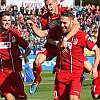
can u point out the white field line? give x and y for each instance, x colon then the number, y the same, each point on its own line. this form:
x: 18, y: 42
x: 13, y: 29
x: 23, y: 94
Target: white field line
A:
x: 45, y: 83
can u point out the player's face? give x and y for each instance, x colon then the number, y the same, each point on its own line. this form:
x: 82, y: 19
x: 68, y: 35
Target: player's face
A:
x: 65, y: 23
x: 51, y: 6
x: 5, y: 23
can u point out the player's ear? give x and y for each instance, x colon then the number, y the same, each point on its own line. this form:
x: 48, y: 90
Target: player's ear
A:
x: 72, y: 23
x: 56, y: 3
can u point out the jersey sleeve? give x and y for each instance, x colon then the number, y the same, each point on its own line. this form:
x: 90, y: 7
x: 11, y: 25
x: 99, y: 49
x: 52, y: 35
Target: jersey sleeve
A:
x: 87, y: 41
x: 21, y: 41
x: 44, y: 21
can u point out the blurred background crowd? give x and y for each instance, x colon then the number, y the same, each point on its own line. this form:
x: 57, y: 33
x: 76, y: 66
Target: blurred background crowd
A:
x: 88, y: 17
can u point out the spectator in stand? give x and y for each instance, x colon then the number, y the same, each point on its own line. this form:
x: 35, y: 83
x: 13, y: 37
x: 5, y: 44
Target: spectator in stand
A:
x: 22, y: 9
x: 28, y: 76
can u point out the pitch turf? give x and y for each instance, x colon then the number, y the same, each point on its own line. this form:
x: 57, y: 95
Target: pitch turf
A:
x: 45, y: 89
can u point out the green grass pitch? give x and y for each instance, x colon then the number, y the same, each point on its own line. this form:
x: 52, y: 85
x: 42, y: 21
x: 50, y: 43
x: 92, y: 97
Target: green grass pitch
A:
x: 45, y: 89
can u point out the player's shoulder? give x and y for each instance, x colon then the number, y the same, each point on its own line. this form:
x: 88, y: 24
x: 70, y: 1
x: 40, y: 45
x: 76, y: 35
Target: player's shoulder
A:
x: 61, y: 9
x: 81, y: 33
x: 45, y: 15
x: 14, y: 32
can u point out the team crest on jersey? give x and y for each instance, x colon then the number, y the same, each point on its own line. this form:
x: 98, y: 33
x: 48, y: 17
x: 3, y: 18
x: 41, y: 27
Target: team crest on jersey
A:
x: 13, y: 39
x: 75, y: 41
x: 5, y: 45
x: 69, y: 45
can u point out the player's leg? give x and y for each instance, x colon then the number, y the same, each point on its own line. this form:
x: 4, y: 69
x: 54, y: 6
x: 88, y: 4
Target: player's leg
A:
x: 74, y: 97
x: 61, y: 91
x: 18, y: 86
x: 76, y: 85
x: 9, y: 96
x: 37, y: 69
x: 37, y: 66
x: 5, y: 86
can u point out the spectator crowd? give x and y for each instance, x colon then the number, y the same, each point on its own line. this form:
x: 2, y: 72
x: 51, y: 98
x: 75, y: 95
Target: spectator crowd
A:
x: 88, y: 17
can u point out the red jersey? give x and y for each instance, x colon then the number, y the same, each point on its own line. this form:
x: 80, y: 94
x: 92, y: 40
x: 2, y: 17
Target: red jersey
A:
x: 74, y: 58
x: 9, y: 51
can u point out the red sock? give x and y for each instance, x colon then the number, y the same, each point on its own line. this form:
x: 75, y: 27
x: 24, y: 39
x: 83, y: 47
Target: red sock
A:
x: 37, y: 71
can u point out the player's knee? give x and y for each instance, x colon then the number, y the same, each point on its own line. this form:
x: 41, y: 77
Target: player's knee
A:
x: 37, y: 62
x: 9, y: 97
x: 73, y: 97
x: 97, y: 96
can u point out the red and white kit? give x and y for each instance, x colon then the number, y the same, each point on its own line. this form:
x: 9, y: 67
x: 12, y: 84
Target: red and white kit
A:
x: 70, y: 66
x: 52, y: 24
x: 11, y: 64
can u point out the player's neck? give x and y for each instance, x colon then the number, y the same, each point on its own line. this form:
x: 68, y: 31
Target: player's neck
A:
x: 3, y: 32
x: 56, y: 11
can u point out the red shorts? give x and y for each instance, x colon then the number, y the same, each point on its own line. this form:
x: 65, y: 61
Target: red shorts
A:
x: 66, y: 84
x: 85, y: 59
x: 50, y: 51
x: 12, y: 83
x: 96, y: 85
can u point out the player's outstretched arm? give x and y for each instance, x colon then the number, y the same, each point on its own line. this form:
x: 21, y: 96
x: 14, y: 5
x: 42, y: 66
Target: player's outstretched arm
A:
x: 37, y: 31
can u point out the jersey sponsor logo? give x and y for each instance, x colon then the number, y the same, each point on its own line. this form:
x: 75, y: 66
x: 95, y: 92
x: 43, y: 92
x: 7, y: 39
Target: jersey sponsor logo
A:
x: 54, y: 23
x: 69, y: 45
x: 75, y: 41
x: 5, y: 45
x: 2, y: 37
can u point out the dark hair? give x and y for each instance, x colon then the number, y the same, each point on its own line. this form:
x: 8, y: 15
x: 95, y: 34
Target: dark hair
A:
x: 67, y: 13
x: 4, y: 13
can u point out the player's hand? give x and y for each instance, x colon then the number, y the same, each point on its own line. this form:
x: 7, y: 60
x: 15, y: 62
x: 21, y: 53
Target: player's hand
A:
x: 22, y: 56
x: 63, y: 44
x: 94, y: 73
x: 30, y: 23
x: 59, y: 45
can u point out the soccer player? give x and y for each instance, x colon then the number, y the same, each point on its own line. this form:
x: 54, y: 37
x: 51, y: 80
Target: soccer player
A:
x: 70, y: 64
x: 96, y: 82
x: 50, y: 22
x: 11, y: 84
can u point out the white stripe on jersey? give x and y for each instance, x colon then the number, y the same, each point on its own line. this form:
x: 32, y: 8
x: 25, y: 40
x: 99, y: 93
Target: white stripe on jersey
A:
x: 5, y: 45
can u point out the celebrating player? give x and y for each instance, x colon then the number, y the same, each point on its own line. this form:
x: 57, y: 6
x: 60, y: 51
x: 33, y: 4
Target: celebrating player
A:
x: 50, y: 22
x: 11, y: 84
x: 70, y: 64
